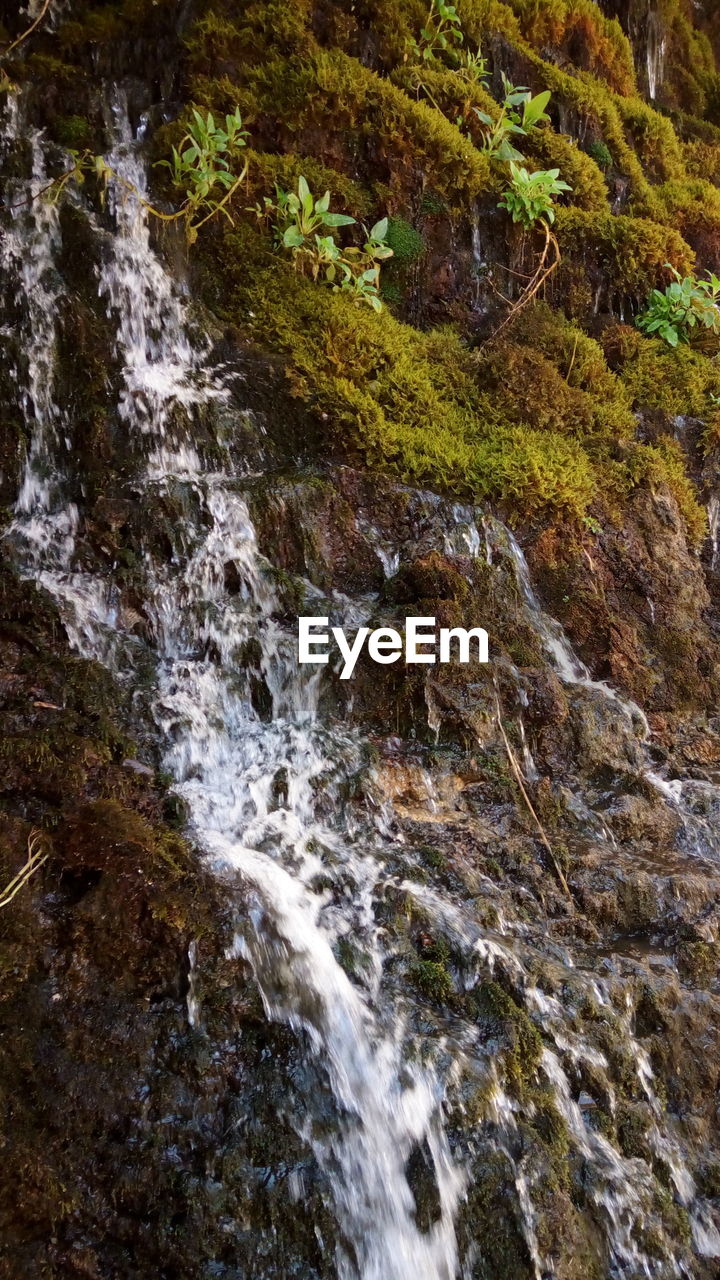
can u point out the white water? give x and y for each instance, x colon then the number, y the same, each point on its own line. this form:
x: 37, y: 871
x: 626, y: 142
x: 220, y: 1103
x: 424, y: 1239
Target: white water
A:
x: 565, y: 661
x: 714, y: 527
x: 655, y: 53
x: 224, y: 756
x: 231, y: 764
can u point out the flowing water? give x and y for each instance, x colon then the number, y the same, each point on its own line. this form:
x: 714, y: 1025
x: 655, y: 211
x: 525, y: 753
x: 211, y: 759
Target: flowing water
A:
x: 655, y: 52
x: 265, y: 780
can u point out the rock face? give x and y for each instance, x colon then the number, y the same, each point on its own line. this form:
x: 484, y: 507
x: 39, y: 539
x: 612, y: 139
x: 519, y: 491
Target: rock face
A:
x: 414, y: 974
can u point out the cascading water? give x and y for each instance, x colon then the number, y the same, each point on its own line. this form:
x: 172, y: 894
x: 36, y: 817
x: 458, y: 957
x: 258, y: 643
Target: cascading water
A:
x: 265, y: 786
x: 655, y: 52
x: 225, y: 757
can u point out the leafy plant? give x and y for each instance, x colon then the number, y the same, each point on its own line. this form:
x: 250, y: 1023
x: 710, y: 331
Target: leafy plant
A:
x: 685, y: 305
x: 519, y: 113
x: 360, y: 267
x: 473, y: 67
x: 300, y: 217
x: 200, y: 165
x: 529, y: 199
x: 299, y: 223
x: 441, y: 33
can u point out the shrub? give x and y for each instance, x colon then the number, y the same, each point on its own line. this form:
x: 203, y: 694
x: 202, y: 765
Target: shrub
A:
x: 686, y: 304
x: 200, y: 165
x: 299, y: 220
x: 441, y: 33
x: 512, y: 122
x: 529, y: 198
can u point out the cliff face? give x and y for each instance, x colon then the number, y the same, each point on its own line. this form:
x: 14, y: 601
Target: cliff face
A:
x: 415, y: 974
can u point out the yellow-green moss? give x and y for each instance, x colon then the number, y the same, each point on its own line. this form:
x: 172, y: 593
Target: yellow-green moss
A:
x: 550, y: 373
x: 673, y: 382
x: 580, y: 25
x: 663, y: 464
x: 549, y: 150
x: 693, y: 206
x: 652, y: 137
x: 266, y: 170
x: 702, y: 159
x: 409, y: 402
x: 631, y: 252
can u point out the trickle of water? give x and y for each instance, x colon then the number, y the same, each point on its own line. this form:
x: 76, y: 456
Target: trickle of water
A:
x: 714, y: 527
x: 655, y: 52
x: 44, y: 525
x: 566, y: 663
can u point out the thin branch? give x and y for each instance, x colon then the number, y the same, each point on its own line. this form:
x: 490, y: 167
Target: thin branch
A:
x: 517, y: 772
x: 37, y: 856
x: 542, y: 274
x: 29, y: 31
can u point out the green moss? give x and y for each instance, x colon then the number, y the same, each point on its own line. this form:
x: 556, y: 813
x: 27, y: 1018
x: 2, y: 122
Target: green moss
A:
x: 433, y: 979
x: 652, y: 138
x: 346, y: 106
x: 633, y: 1122
x: 657, y: 378
x: 73, y: 132
x: 630, y: 252
x: 501, y: 1017
x: 550, y: 373
x: 405, y: 241
x: 409, y: 402
x: 580, y: 26
x: 698, y: 961
x: 268, y: 170
x: 601, y: 154
x: 549, y: 150
x: 663, y: 464
x: 708, y: 1179
x: 433, y: 857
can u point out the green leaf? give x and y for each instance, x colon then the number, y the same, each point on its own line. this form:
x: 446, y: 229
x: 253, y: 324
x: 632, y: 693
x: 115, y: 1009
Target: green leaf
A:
x: 338, y: 220
x: 293, y: 238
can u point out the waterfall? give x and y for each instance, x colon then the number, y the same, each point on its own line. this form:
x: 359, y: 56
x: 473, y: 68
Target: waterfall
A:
x: 222, y: 754
x: 654, y: 52
x: 273, y: 845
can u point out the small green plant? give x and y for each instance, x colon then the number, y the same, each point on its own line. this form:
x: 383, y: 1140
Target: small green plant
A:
x: 687, y: 304
x: 300, y: 218
x: 441, y: 33
x: 200, y: 165
x: 473, y: 67
x: 299, y: 221
x: 529, y: 198
x: 519, y: 114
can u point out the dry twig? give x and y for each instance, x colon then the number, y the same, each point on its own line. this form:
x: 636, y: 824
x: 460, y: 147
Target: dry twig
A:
x: 517, y: 773
x: 37, y: 856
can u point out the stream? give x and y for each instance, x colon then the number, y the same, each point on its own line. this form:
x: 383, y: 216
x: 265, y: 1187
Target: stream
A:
x: 265, y: 773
